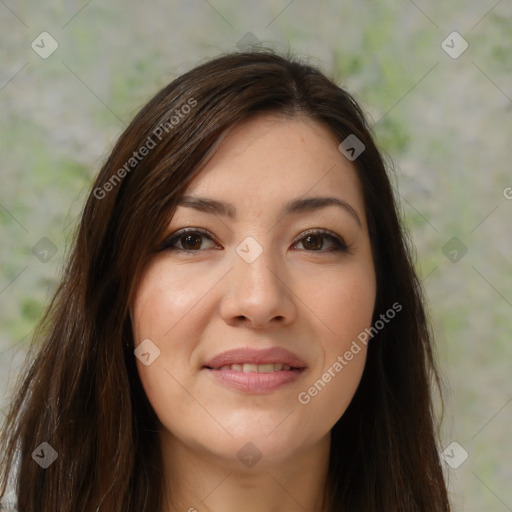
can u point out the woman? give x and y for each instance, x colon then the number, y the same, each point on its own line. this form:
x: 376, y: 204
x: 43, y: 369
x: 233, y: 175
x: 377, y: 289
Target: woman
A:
x: 240, y: 326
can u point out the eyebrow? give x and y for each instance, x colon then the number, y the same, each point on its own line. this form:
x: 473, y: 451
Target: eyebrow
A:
x: 295, y: 206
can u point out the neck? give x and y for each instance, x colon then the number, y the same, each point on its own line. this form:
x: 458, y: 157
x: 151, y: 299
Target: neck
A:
x: 197, y: 481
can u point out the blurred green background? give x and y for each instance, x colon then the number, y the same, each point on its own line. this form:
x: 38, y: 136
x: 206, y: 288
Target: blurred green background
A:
x: 444, y: 122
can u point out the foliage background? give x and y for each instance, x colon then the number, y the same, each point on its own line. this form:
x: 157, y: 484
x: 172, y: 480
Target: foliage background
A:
x: 445, y: 124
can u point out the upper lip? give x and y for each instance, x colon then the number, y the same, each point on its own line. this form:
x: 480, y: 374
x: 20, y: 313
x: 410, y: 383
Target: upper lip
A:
x: 256, y: 356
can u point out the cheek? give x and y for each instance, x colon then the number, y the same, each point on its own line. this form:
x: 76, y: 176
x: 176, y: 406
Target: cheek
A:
x: 162, y: 305
x: 330, y: 393
x: 344, y: 302
x: 165, y: 298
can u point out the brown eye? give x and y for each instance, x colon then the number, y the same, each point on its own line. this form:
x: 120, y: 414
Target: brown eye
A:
x: 314, y: 241
x: 191, y: 242
x: 186, y: 240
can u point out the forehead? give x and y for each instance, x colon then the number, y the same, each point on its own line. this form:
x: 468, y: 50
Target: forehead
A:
x: 270, y: 159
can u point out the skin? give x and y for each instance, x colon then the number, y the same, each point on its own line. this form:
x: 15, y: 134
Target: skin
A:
x: 295, y: 295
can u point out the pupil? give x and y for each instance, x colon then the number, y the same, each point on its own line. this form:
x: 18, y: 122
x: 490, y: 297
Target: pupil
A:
x: 318, y: 245
x: 189, y: 241
x: 187, y: 238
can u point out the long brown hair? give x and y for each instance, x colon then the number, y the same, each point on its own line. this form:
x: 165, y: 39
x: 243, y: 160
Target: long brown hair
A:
x: 82, y: 394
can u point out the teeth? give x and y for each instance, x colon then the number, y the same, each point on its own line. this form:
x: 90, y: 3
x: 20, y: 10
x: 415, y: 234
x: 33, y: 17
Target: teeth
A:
x: 265, y: 368
x: 256, y: 368
x: 250, y: 368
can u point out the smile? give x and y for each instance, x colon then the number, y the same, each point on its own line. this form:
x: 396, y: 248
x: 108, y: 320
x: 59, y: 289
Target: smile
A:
x: 256, y: 368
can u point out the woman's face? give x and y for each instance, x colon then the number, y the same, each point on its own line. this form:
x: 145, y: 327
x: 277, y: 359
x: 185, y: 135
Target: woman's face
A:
x: 249, y: 317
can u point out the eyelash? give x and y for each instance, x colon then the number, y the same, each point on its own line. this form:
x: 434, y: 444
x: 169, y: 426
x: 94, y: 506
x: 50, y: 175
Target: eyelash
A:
x: 338, y: 243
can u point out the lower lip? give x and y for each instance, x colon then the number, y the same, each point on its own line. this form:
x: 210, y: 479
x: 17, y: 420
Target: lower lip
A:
x: 253, y: 382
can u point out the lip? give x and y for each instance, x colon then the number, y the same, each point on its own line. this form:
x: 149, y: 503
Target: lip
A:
x: 256, y: 356
x: 254, y: 382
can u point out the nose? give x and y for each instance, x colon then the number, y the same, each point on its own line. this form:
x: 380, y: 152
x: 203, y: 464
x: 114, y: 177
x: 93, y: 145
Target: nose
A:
x: 257, y: 294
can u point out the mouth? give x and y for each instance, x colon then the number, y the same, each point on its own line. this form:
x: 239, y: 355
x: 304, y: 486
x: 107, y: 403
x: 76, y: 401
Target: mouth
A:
x: 256, y: 368
x: 255, y: 371
x: 256, y: 360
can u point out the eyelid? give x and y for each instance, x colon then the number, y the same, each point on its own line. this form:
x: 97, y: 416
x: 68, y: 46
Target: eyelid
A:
x: 173, y: 237
x: 335, y: 238
x: 338, y: 241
